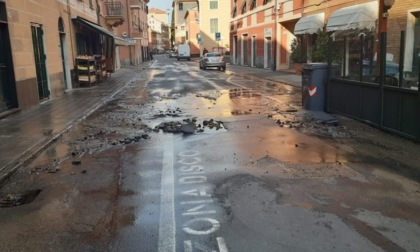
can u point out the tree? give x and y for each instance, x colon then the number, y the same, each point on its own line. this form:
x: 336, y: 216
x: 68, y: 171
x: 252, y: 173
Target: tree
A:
x: 298, y: 55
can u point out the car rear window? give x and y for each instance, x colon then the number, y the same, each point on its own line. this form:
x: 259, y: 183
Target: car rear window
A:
x: 213, y: 55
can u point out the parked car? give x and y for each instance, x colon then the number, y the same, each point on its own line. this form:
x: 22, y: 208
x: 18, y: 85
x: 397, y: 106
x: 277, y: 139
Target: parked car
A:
x: 184, y: 52
x: 173, y: 54
x: 213, y: 60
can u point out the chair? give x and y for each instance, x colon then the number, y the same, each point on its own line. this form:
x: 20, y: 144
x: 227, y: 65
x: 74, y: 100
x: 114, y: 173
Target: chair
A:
x: 389, y: 80
x: 408, y: 74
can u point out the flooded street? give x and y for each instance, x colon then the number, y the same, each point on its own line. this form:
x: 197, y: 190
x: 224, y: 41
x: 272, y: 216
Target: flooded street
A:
x: 190, y: 160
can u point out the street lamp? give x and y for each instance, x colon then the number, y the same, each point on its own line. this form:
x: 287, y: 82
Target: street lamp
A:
x: 387, y: 4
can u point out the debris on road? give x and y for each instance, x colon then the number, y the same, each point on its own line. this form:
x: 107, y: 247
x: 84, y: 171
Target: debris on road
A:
x: 17, y: 199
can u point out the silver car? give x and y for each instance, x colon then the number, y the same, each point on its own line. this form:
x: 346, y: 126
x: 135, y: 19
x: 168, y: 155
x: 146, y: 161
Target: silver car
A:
x: 213, y: 60
x: 173, y: 54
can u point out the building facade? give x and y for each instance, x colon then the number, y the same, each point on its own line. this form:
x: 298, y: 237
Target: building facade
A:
x: 192, y: 31
x: 253, y: 33
x: 214, y: 29
x: 41, y: 41
x: 180, y: 8
x: 404, y: 15
x: 134, y: 32
x: 159, y: 30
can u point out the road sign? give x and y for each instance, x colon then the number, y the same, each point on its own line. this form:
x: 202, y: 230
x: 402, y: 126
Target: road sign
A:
x: 217, y: 34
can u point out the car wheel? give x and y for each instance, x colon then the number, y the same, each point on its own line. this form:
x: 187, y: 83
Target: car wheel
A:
x: 204, y: 67
x: 223, y: 69
x: 178, y: 59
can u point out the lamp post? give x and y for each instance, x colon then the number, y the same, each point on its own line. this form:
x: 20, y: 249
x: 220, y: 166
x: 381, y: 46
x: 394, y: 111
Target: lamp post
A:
x: 384, y: 6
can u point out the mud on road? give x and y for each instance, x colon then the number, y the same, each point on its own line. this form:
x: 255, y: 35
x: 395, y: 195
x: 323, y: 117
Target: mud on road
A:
x: 68, y: 194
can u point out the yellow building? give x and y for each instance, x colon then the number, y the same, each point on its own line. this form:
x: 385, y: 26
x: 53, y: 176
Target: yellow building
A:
x: 214, y: 25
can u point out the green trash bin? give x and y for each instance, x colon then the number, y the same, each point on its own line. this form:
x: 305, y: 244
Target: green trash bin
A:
x: 314, y: 80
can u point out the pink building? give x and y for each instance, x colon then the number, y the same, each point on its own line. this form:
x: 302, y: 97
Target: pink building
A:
x: 192, y: 31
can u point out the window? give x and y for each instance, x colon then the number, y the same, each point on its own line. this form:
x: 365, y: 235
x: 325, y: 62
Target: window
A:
x: 182, y: 28
x: 214, y: 4
x: 243, y: 8
x: 253, y: 4
x: 180, y: 6
x: 214, y: 25
x: 266, y: 1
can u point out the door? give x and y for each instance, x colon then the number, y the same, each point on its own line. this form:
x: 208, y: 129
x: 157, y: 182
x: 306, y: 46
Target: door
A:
x: 62, y: 36
x: 40, y: 57
x: 268, y: 56
x: 245, y: 50
x: 63, y: 59
x: 254, y: 51
x: 235, y: 50
x: 3, y: 72
x: 8, y: 98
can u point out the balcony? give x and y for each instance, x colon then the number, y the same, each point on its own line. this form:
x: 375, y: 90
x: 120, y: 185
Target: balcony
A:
x: 114, y: 13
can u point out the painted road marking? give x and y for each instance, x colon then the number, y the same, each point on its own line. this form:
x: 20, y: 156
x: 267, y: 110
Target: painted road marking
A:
x: 167, y: 205
x: 191, y: 174
x: 215, y: 225
x: 188, y: 246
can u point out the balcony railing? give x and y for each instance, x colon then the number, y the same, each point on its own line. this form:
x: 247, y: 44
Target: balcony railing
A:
x: 114, y: 9
x: 114, y: 13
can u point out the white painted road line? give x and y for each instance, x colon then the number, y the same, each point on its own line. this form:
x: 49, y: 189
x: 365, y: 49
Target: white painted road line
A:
x: 222, y: 244
x: 167, y: 241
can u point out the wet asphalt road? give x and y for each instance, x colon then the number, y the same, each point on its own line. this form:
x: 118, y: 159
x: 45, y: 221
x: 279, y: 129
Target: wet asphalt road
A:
x: 251, y: 186
x: 250, y: 177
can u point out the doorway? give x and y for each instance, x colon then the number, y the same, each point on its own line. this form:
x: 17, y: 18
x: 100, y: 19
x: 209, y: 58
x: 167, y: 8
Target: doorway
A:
x: 8, y: 97
x: 235, y: 50
x: 245, y: 50
x: 62, y: 35
x: 40, y: 64
x: 267, y: 53
x: 253, y: 51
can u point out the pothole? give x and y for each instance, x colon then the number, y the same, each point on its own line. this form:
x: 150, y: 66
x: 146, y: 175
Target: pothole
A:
x: 17, y: 199
x: 190, y: 126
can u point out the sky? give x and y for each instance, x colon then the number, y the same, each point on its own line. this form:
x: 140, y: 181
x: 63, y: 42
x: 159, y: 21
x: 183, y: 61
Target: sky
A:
x: 161, y: 4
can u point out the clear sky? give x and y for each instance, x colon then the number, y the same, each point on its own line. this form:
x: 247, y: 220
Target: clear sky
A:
x: 161, y: 4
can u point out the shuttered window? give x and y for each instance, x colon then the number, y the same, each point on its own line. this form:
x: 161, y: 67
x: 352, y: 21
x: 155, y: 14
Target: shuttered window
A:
x: 214, y: 25
x: 214, y: 5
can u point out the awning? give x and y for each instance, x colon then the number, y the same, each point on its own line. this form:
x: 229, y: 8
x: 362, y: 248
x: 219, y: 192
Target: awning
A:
x: 102, y: 30
x: 124, y: 42
x: 310, y: 24
x: 354, y: 17
x: 92, y: 26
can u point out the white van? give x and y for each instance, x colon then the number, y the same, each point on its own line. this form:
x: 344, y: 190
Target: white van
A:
x: 184, y: 52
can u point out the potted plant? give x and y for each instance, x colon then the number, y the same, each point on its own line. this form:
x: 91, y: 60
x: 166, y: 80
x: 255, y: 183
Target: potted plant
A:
x: 321, y: 48
x: 298, y: 55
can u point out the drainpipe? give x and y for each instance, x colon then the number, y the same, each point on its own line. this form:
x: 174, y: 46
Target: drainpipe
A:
x: 273, y: 66
x: 129, y: 31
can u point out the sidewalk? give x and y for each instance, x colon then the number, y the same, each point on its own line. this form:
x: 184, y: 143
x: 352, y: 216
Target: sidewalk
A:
x: 279, y: 76
x: 25, y: 134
